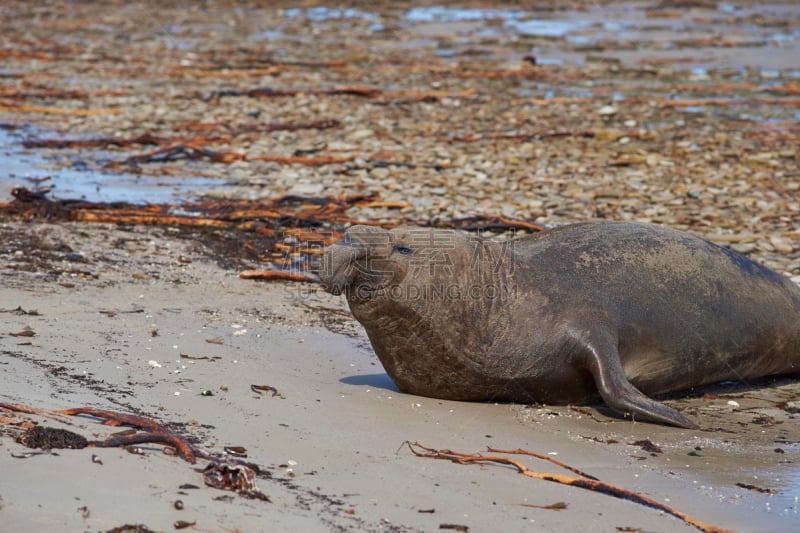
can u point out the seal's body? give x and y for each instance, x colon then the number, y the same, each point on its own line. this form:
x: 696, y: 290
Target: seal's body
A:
x: 616, y: 308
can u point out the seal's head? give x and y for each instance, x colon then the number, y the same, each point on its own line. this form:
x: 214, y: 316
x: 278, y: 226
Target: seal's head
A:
x: 366, y: 261
x: 353, y: 262
x: 371, y: 260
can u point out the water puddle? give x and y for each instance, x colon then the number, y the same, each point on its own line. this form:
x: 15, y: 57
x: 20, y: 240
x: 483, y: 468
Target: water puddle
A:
x: 417, y: 15
x: 546, y: 28
x: 788, y: 487
x: 761, y: 490
x: 24, y: 168
x: 729, y: 36
x: 329, y: 13
x: 645, y: 30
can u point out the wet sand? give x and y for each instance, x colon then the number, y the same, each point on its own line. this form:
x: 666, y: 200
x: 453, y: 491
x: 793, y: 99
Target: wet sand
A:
x: 110, y: 331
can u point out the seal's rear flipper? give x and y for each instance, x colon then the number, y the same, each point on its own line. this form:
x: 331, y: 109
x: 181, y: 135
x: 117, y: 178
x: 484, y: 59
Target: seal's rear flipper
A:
x: 602, y: 360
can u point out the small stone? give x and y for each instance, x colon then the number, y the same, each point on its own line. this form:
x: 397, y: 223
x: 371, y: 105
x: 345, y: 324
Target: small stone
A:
x: 361, y: 134
x: 781, y: 244
x: 609, y: 134
x: 380, y: 173
x: 792, y: 406
x: 744, y: 247
x: 307, y: 189
x: 74, y: 257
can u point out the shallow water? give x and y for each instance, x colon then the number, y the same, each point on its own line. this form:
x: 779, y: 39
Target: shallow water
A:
x: 633, y: 32
x: 25, y: 168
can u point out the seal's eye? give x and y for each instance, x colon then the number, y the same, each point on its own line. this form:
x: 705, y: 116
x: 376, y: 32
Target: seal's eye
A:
x: 405, y: 250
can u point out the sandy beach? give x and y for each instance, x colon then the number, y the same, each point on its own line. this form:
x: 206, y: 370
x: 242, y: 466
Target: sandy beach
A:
x: 150, y: 153
x: 127, y: 329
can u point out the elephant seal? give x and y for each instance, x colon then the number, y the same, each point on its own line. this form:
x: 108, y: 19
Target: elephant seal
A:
x: 620, y: 309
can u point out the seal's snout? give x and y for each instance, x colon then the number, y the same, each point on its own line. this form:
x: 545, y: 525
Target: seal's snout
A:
x: 342, y: 261
x: 337, y: 267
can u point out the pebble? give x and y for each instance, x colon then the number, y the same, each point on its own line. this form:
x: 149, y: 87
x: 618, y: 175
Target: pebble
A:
x: 379, y: 173
x: 307, y: 189
x: 361, y: 134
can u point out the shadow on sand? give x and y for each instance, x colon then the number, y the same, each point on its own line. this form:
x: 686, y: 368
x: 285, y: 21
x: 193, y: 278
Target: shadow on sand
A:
x: 378, y: 381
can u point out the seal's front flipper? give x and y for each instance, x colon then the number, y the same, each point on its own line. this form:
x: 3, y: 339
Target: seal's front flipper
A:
x: 602, y: 360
